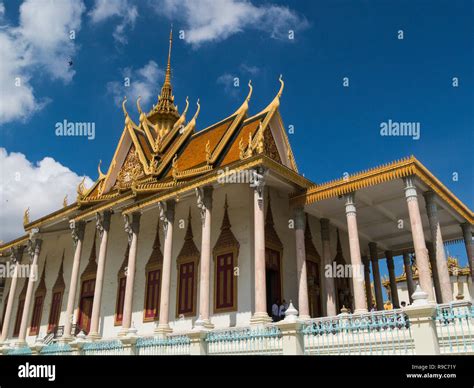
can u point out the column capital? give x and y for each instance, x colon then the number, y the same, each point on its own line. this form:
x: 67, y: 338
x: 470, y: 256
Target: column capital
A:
x: 103, y: 221
x: 258, y: 183
x: 350, y: 204
x: 410, y: 188
x: 204, y: 200
x: 406, y: 258
x: 431, y: 207
x: 299, y: 215
x: 33, y: 246
x: 132, y: 225
x: 17, y: 254
x: 77, y: 230
x: 467, y: 229
x: 166, y: 209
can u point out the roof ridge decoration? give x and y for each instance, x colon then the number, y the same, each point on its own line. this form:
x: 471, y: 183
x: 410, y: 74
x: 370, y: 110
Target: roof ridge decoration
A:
x: 172, y: 152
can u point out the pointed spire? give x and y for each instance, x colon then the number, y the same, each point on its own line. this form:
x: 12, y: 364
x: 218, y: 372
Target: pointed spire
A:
x: 42, y: 283
x: 225, y: 220
x: 156, y: 257
x: 93, y: 255
x: 339, y: 248
x: 226, y: 239
x: 269, y: 217
x: 165, y: 113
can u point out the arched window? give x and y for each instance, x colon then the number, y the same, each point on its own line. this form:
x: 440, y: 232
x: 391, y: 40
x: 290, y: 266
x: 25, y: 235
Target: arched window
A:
x: 38, y: 303
x: 187, y: 263
x: 153, y: 270
x: 57, y: 298
x: 121, y: 285
x: 226, y: 253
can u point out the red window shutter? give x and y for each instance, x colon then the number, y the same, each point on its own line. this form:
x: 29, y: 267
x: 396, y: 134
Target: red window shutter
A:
x: 19, y: 313
x: 53, y: 320
x: 186, y: 289
x: 153, y: 288
x: 225, y: 281
x: 37, y: 312
x: 120, y: 300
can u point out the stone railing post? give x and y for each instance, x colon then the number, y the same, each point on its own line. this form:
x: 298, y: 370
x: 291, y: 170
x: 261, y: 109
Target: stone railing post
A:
x: 198, y: 343
x: 293, y: 340
x: 422, y: 323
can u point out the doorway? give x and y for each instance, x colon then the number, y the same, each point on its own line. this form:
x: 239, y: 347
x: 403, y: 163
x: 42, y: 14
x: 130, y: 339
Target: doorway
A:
x: 85, y: 305
x: 272, y: 277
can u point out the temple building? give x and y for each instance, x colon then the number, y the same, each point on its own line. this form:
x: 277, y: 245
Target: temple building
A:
x: 206, y: 229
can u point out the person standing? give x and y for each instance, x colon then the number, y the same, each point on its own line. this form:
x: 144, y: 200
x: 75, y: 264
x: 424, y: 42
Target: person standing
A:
x: 282, y: 309
x: 276, y: 311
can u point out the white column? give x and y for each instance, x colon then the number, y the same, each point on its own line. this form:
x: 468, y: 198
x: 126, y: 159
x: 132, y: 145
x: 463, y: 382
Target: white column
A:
x: 33, y: 248
x: 17, y: 254
x: 77, y: 232
x: 301, y: 271
x: 103, y: 226
x: 467, y: 235
x: 260, y: 315
x: 329, y: 287
x: 438, y: 248
x: 360, y: 303
x: 167, y: 221
x: 204, y: 202
x: 421, y: 253
x: 132, y: 228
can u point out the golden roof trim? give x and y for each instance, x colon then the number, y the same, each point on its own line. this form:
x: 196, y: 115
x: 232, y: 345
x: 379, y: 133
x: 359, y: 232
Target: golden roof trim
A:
x: 384, y: 173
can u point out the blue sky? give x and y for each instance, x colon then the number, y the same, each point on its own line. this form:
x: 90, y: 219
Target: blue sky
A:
x: 337, y: 128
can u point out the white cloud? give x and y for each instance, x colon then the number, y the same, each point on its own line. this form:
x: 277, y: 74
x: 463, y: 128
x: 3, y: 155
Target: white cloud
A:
x: 40, y: 42
x: 231, y: 84
x: 143, y: 82
x: 122, y: 9
x: 216, y: 20
x: 40, y: 186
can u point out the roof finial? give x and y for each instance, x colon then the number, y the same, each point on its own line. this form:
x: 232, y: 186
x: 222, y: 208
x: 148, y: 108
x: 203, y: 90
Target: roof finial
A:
x: 168, y: 66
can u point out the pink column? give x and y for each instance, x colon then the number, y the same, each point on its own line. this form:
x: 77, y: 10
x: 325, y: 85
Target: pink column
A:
x: 77, y: 232
x: 329, y: 286
x: 167, y: 220
x: 438, y: 248
x: 103, y: 226
x: 303, y: 302
x: 393, y: 280
x: 17, y: 254
x: 421, y: 253
x: 376, y: 275
x: 409, y: 275
x: 204, y: 202
x: 467, y: 235
x: 34, y: 248
x: 260, y: 316
x: 360, y: 302
x: 131, y: 228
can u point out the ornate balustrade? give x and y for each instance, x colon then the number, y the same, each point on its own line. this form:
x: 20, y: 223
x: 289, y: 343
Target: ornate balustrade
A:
x: 382, y: 332
x: 246, y: 340
x: 455, y: 327
x: 171, y: 345
x: 105, y: 347
x: 56, y: 349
